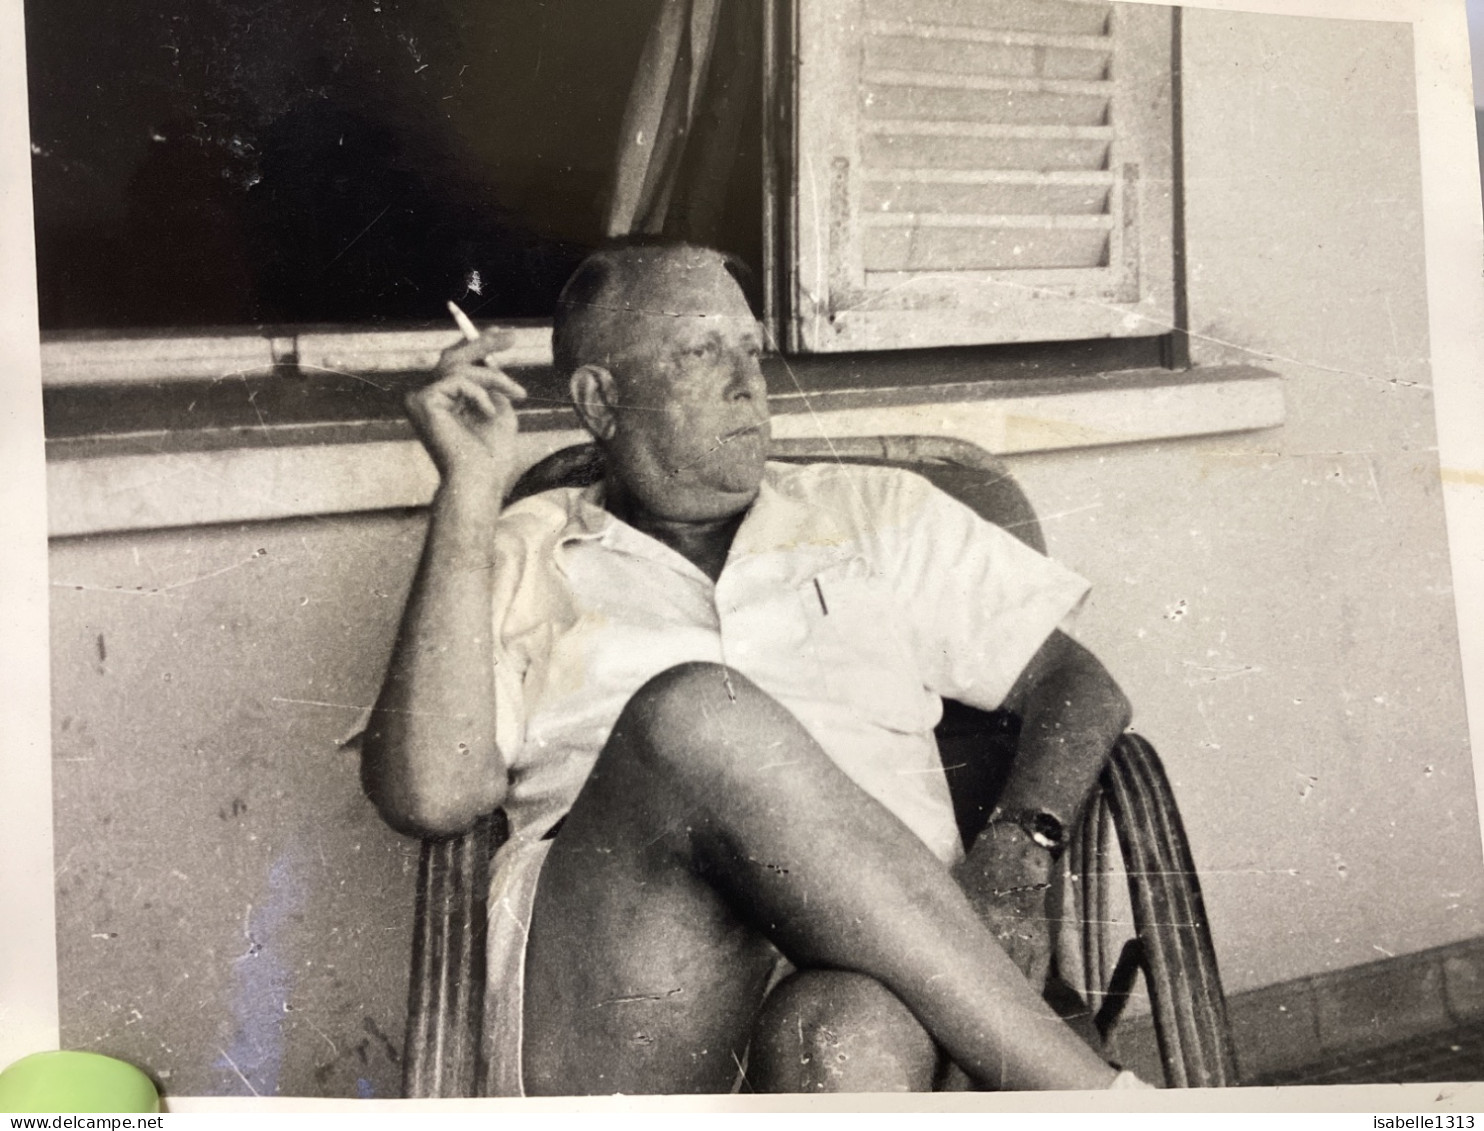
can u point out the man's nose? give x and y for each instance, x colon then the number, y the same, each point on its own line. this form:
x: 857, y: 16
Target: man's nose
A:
x: 747, y: 379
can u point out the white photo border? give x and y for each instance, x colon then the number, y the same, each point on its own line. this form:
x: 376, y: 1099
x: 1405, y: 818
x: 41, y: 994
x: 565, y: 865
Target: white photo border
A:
x: 28, y: 971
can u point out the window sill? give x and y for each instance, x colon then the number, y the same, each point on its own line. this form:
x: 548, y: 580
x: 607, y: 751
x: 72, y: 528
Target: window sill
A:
x: 250, y: 471
x: 113, y: 359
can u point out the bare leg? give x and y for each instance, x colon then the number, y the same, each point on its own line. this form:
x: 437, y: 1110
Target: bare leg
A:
x: 712, y: 819
x: 835, y: 1031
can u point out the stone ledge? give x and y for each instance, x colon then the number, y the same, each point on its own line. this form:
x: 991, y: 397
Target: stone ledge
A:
x: 135, y: 481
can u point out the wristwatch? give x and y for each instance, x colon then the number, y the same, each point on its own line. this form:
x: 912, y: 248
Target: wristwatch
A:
x: 1042, y: 827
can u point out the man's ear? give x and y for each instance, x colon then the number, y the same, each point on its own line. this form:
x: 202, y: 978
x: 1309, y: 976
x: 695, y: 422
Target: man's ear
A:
x: 594, y: 396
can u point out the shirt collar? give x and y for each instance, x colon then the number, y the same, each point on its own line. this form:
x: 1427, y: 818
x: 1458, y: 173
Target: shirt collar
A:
x: 776, y: 521
x: 587, y: 518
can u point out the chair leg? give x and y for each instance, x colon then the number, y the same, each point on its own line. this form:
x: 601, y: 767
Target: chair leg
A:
x: 1120, y: 987
x: 1093, y: 849
x: 445, y: 1000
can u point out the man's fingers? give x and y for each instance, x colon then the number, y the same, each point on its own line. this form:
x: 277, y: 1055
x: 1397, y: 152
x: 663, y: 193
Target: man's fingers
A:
x: 472, y: 361
x: 493, y: 340
x: 465, y: 392
x: 499, y: 381
x: 457, y: 394
x: 495, y: 381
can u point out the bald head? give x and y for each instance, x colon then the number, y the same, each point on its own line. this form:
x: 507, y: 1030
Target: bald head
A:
x: 661, y: 352
x: 620, y: 295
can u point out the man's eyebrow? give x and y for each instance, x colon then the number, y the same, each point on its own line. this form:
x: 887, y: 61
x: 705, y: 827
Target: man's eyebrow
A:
x: 751, y: 335
x: 704, y: 336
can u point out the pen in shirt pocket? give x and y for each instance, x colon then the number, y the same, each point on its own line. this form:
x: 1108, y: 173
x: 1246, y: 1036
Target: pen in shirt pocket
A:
x: 820, y: 592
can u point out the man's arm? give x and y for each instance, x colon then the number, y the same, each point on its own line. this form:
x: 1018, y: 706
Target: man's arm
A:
x: 1071, y: 713
x: 429, y: 758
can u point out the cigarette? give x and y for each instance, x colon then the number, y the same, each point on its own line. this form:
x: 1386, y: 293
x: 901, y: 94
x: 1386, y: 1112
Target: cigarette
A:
x: 469, y: 330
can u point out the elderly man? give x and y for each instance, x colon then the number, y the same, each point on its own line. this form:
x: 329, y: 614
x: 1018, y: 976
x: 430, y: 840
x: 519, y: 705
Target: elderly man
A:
x: 704, y: 692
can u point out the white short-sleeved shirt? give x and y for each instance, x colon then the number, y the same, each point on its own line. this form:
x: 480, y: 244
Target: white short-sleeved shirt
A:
x: 857, y: 597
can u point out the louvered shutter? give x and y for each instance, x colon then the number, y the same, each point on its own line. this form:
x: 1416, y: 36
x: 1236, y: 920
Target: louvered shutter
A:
x: 972, y: 171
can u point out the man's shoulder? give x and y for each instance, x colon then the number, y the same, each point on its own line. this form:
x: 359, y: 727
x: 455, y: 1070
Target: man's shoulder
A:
x: 877, y: 510
x: 846, y: 484
x: 537, y: 518
x: 874, y: 500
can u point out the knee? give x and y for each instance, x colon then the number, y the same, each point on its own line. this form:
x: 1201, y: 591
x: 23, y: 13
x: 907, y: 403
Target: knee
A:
x: 678, y: 692
x: 835, y: 1031
x: 695, y: 712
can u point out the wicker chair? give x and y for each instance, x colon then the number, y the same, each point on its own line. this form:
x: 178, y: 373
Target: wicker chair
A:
x: 1171, y: 941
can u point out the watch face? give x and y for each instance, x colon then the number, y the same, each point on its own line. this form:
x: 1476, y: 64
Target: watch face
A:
x: 1044, y: 829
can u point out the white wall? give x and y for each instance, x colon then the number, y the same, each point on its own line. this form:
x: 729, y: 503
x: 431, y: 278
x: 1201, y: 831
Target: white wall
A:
x: 1279, y: 604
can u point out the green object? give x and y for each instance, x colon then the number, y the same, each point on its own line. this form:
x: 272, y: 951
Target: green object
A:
x: 75, y: 1081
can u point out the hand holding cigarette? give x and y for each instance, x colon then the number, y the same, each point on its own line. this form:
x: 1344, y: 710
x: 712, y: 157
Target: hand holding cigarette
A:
x: 464, y: 416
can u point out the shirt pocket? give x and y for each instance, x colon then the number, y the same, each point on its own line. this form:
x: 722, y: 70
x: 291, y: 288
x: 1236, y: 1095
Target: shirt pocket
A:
x: 858, y: 642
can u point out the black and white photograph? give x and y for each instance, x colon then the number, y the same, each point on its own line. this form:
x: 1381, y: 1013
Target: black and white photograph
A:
x: 738, y: 547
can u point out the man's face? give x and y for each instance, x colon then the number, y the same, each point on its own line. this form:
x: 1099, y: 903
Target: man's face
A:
x: 692, y: 423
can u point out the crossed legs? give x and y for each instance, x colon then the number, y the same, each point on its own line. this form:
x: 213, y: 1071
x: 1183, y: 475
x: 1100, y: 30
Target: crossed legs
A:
x: 838, y: 1031
x: 712, y: 830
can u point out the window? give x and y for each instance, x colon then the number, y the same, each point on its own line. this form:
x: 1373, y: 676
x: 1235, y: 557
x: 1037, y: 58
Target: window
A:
x: 977, y: 171
x: 355, y: 162
x: 958, y: 171
x: 247, y: 229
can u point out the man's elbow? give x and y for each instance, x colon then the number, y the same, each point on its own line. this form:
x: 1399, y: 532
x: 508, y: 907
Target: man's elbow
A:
x: 428, y: 810
x: 431, y: 817
x: 1113, y: 705
x: 1120, y: 710
x: 1096, y: 685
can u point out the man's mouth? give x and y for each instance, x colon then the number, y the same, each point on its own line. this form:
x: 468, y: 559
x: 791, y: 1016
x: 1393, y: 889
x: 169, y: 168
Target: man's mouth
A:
x: 753, y: 429
x: 722, y: 440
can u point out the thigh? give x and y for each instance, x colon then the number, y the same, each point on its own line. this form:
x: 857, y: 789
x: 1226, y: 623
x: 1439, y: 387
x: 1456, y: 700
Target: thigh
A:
x: 639, y: 977
x: 838, y: 1031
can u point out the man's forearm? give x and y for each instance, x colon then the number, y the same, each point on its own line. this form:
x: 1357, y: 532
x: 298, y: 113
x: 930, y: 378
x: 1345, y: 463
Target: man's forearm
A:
x: 1072, y: 712
x: 430, y: 761
x: 1070, y: 719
